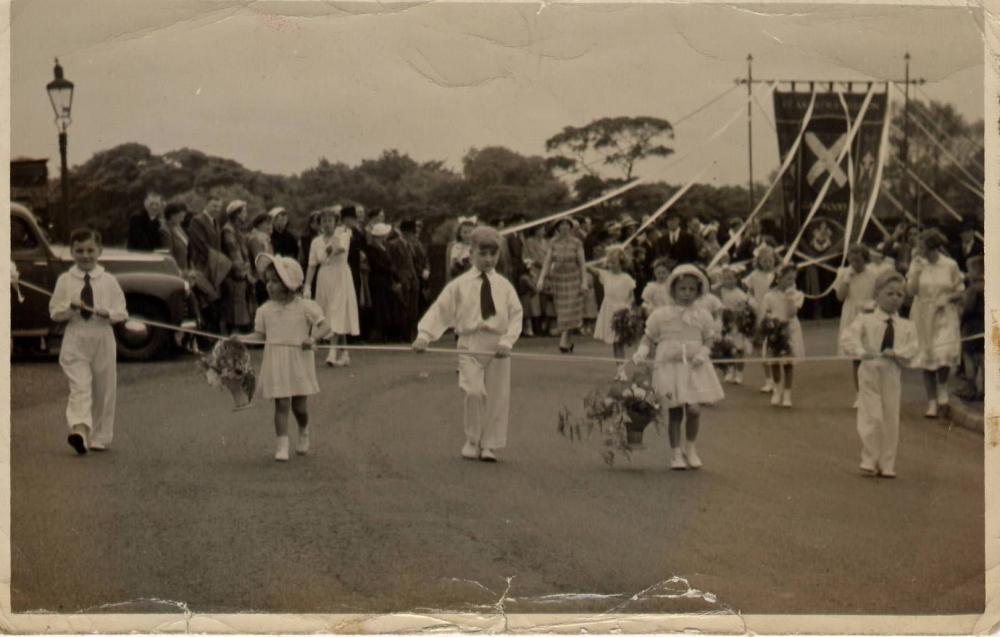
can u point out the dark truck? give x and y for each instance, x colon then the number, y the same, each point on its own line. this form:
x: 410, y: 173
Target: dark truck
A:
x: 152, y: 283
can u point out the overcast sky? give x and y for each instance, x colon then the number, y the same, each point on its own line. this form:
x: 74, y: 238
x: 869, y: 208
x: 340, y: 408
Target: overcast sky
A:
x: 276, y: 86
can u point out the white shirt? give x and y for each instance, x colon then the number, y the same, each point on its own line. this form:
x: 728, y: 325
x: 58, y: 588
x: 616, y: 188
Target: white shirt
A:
x: 866, y: 331
x: 458, y: 307
x: 108, y: 296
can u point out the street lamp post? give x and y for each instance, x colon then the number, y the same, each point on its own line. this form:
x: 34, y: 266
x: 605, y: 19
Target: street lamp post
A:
x: 61, y: 95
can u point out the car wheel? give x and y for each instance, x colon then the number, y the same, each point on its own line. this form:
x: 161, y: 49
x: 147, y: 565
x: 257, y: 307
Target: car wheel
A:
x: 138, y: 341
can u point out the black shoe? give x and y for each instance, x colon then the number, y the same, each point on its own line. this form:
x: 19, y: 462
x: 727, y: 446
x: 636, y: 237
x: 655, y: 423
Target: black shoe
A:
x: 565, y: 350
x: 77, y: 442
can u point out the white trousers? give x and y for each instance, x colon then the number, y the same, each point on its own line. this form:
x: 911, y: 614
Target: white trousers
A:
x: 486, y: 383
x: 878, y: 413
x: 88, y: 358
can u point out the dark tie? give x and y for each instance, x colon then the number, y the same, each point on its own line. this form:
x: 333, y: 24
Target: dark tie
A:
x: 86, y: 297
x: 486, y: 298
x: 888, y: 341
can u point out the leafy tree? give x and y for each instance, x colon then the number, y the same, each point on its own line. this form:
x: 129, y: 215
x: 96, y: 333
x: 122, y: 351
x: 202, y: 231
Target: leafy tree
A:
x: 618, y: 142
x: 500, y: 182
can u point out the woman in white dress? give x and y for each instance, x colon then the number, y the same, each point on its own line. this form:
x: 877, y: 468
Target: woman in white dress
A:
x: 334, y: 286
x: 855, y: 288
x: 935, y: 282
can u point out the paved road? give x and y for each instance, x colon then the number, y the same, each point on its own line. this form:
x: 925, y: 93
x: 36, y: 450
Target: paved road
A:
x: 188, y: 506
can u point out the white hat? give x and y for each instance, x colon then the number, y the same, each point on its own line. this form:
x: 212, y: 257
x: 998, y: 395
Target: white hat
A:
x: 381, y: 229
x: 274, y: 212
x: 235, y: 205
x: 686, y: 269
x: 288, y: 269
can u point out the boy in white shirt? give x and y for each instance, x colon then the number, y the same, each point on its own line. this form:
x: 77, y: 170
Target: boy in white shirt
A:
x: 884, y: 342
x: 89, y: 299
x: 484, y: 310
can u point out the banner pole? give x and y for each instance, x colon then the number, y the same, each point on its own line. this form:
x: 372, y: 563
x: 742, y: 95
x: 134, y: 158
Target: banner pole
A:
x: 906, y: 133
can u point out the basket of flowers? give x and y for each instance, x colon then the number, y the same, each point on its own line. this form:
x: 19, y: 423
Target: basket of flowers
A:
x: 629, y: 324
x: 621, y: 411
x: 745, y: 320
x: 228, y: 365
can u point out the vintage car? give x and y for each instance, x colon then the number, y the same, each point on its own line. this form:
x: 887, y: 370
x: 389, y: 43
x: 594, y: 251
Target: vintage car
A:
x: 152, y: 283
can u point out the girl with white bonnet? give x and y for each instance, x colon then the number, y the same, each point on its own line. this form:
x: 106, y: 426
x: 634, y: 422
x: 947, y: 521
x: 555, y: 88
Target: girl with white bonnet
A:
x: 289, y: 324
x: 683, y: 376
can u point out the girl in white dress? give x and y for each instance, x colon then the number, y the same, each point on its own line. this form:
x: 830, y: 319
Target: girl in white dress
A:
x: 855, y: 288
x: 735, y: 300
x: 460, y: 250
x: 289, y: 324
x: 783, y: 302
x: 656, y: 294
x: 758, y: 283
x: 683, y: 377
x: 334, y: 284
x: 619, y: 288
x: 936, y: 284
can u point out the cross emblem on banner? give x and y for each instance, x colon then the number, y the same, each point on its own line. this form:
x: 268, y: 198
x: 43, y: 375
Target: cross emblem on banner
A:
x: 826, y: 160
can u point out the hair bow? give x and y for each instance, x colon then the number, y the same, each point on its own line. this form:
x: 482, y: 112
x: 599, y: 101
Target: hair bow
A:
x: 473, y: 220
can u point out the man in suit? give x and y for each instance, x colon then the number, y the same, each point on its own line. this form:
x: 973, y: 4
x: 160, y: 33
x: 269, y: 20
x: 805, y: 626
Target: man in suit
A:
x: 146, y: 228
x: 969, y: 244
x: 675, y: 243
x: 203, y: 240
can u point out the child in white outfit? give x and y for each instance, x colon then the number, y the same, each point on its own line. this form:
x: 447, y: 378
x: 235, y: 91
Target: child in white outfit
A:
x: 683, y: 375
x: 485, y: 312
x: 735, y: 301
x: 619, y: 288
x: 757, y: 283
x: 884, y: 342
x: 289, y: 324
x: 89, y: 299
x: 656, y: 294
x: 783, y: 302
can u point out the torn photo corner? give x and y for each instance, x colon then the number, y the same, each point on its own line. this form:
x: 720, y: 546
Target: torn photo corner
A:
x: 727, y: 364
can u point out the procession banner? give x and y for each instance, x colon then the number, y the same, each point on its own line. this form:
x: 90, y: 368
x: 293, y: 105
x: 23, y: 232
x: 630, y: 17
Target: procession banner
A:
x: 823, y: 142
x: 834, y: 174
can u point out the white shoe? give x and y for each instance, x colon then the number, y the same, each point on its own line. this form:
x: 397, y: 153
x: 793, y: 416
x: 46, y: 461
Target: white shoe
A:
x: 98, y: 446
x: 786, y: 398
x: 621, y: 375
x: 776, y: 396
x: 768, y: 387
x: 345, y: 360
x: 737, y: 377
x: 942, y: 396
x: 677, y: 460
x: 728, y: 377
x: 691, y: 456
x: 281, y: 455
x: 487, y: 455
x: 302, y: 444
x: 932, y: 410
x: 470, y: 451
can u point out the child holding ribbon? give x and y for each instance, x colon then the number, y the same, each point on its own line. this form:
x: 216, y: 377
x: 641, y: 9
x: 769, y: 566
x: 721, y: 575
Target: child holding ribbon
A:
x: 682, y: 334
x: 782, y: 303
x: 485, y: 312
x: 885, y: 343
x: 289, y: 324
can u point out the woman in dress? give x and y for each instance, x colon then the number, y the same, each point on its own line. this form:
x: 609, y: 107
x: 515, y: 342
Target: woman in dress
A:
x: 334, y: 286
x: 935, y: 282
x: 285, y: 243
x: 305, y: 243
x: 565, y: 268
x: 855, y: 288
x: 459, y: 250
x: 535, y: 247
x: 259, y: 242
x: 383, y: 280
x: 237, y: 290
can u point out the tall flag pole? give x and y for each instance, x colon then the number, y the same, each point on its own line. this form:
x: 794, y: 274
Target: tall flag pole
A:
x: 906, y: 136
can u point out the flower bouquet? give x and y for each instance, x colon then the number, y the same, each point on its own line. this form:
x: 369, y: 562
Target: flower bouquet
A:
x: 629, y: 324
x: 228, y: 365
x: 774, y: 333
x: 746, y: 320
x: 621, y: 412
x: 724, y: 348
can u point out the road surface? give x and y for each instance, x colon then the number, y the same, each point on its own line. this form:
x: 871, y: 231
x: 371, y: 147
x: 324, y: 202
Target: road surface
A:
x: 189, y: 508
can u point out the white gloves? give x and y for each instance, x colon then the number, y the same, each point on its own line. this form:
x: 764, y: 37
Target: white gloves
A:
x: 641, y: 354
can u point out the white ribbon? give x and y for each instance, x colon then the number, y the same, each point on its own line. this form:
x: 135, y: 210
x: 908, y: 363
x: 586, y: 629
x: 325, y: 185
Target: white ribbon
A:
x: 784, y: 167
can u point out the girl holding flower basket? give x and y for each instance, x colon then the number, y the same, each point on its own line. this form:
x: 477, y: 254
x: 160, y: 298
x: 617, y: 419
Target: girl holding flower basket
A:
x: 288, y: 323
x: 739, y: 321
x: 683, y: 376
x: 619, y: 287
x: 782, y: 331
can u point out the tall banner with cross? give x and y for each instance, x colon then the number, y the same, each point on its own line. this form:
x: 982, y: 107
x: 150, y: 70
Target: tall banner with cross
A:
x: 851, y: 179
